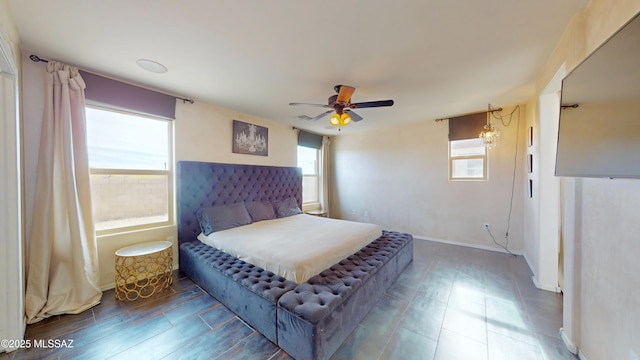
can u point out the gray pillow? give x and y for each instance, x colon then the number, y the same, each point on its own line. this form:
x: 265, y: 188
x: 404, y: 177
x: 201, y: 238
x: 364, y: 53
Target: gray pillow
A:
x: 260, y: 210
x: 223, y: 217
x: 287, y: 207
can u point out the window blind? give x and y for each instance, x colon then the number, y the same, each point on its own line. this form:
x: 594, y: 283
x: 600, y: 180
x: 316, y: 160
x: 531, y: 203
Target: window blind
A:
x: 309, y: 140
x: 111, y: 92
x: 466, y: 126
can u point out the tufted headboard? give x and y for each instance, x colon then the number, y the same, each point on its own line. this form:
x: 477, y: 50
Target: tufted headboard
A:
x: 201, y: 184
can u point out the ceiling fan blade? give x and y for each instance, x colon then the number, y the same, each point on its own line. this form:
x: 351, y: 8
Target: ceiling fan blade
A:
x: 308, y: 104
x: 354, y: 117
x: 318, y: 117
x: 321, y: 115
x: 344, y: 95
x: 369, y: 104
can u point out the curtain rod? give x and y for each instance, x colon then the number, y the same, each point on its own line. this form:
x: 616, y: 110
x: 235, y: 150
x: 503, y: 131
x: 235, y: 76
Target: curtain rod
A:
x: 488, y: 111
x: 307, y: 131
x: 36, y: 58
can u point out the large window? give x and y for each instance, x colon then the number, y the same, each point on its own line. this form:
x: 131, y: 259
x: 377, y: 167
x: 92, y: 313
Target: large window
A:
x: 467, y: 160
x: 131, y: 164
x: 308, y: 160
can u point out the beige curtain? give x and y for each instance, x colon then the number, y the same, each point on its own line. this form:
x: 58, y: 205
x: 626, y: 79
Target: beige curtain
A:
x: 326, y: 174
x: 63, y: 261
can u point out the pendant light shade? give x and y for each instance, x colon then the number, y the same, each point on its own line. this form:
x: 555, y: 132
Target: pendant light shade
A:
x: 490, y: 136
x: 340, y: 119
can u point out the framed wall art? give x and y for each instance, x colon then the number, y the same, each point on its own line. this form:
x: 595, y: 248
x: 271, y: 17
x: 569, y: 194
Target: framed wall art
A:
x: 250, y: 139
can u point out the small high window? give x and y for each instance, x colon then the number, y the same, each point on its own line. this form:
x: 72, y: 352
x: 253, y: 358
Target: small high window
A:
x: 467, y: 160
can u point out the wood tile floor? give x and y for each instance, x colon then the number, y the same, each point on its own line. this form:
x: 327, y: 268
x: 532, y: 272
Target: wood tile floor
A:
x: 451, y: 303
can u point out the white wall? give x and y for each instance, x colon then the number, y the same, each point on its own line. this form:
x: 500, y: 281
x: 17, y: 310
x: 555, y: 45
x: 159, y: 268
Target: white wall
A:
x: 600, y: 218
x: 548, y: 192
x: 607, y: 227
x: 202, y: 133
x: 531, y: 205
x: 398, y: 178
x: 12, y: 322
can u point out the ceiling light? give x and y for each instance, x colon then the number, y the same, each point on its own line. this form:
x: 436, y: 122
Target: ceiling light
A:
x: 340, y: 119
x: 345, y: 119
x: 154, y: 67
x: 335, y: 120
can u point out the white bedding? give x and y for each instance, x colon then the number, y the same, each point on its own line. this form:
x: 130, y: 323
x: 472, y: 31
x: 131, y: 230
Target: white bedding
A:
x: 295, y: 247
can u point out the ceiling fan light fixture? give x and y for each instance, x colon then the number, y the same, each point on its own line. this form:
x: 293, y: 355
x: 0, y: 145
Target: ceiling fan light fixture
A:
x: 341, y: 104
x: 335, y: 120
x: 345, y: 119
x: 340, y: 119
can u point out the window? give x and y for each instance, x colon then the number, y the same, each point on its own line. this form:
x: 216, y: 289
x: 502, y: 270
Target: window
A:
x: 467, y: 160
x: 308, y: 160
x: 131, y: 161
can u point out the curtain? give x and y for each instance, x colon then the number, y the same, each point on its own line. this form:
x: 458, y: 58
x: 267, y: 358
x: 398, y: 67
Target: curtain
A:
x: 309, y: 140
x: 63, y: 272
x: 467, y: 126
x: 326, y: 174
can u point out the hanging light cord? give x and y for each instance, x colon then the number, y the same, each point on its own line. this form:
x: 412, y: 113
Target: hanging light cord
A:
x: 495, y: 113
x: 515, y: 165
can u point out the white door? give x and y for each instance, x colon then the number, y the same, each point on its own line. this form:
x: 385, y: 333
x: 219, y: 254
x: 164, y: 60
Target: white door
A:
x: 11, y: 280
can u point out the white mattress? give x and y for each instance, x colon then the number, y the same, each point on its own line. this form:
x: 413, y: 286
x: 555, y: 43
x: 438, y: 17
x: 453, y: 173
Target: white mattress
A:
x: 295, y: 247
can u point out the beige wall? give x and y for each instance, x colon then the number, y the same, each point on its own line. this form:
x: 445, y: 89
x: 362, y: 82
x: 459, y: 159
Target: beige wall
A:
x: 603, y: 227
x: 202, y: 133
x: 398, y: 178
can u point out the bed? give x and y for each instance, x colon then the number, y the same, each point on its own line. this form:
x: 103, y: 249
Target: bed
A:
x: 308, y: 315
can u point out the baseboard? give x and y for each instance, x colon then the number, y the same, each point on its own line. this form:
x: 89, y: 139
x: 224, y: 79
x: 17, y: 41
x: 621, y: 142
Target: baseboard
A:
x: 108, y: 286
x: 475, y: 246
x: 567, y: 342
x: 524, y: 255
x: 545, y: 287
x: 535, y: 282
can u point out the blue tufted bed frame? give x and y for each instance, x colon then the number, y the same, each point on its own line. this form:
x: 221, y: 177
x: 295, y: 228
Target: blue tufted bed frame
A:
x: 308, y: 320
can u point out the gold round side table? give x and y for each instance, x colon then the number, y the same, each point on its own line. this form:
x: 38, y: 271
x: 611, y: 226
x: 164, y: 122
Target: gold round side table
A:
x: 143, y: 269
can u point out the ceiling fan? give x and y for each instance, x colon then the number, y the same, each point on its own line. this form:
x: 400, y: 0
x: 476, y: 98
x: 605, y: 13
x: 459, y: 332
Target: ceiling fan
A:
x: 342, y: 106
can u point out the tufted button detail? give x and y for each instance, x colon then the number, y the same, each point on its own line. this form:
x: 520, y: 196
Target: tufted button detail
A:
x: 262, y: 282
x: 322, y: 293
x: 203, y: 184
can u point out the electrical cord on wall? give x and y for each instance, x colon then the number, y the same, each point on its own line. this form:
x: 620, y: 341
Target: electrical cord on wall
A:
x: 513, y: 180
x: 505, y: 247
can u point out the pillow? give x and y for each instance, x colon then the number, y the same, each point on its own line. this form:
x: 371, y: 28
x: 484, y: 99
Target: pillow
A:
x: 287, y: 207
x: 260, y: 210
x: 203, y: 220
x: 223, y: 217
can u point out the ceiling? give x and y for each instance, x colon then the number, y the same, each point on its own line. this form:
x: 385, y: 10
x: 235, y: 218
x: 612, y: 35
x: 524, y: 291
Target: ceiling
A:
x: 434, y: 58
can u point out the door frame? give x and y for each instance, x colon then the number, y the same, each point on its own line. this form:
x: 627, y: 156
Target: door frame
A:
x: 11, y: 228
